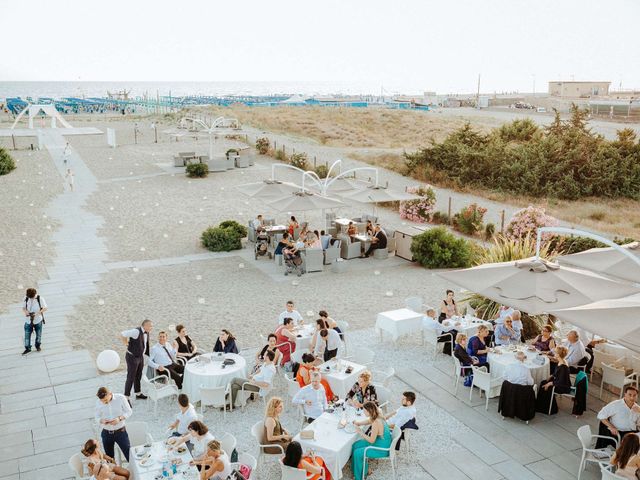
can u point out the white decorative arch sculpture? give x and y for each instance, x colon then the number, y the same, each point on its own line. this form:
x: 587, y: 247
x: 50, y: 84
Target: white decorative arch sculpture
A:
x: 34, y: 110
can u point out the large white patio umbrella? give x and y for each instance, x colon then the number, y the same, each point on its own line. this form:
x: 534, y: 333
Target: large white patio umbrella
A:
x: 538, y: 286
x: 268, y: 189
x: 607, y: 260
x: 303, y: 201
x: 378, y: 194
x: 617, y: 320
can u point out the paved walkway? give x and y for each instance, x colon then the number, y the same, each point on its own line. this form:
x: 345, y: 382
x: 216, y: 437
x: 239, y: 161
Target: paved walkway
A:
x: 46, y: 398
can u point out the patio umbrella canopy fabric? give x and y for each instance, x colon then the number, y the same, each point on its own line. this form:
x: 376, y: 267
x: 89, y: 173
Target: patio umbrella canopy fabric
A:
x: 537, y: 286
x: 268, y: 189
x: 617, y: 320
x: 302, y: 201
x: 607, y: 260
x: 378, y: 194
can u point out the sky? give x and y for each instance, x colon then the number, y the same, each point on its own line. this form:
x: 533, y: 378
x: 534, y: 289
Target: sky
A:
x: 426, y: 45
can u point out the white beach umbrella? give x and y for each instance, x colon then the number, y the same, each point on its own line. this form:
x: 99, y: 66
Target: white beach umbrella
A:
x: 617, y: 320
x: 377, y: 194
x: 303, y: 201
x: 537, y: 286
x: 268, y: 189
x: 345, y: 186
x: 607, y: 260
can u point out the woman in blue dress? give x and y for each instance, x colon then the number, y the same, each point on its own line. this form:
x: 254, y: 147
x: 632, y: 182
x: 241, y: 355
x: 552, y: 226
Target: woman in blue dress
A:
x: 476, y: 347
x: 379, y: 435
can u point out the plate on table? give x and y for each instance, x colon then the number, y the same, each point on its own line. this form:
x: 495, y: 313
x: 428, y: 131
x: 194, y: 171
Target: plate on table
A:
x: 350, y: 428
x: 181, y: 450
x: 147, y: 462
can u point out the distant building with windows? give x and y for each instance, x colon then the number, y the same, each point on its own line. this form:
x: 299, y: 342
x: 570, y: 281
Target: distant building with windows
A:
x: 579, y: 89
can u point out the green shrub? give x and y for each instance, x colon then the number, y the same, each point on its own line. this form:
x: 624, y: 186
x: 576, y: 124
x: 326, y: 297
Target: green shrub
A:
x: 299, y: 160
x: 469, y: 219
x: 240, y: 230
x: 280, y: 155
x: 440, y: 218
x: 218, y: 239
x: 489, y: 231
x: 322, y: 171
x: 197, y: 170
x: 232, y: 150
x: 262, y: 145
x: 569, y: 245
x: 439, y: 248
x: 6, y: 162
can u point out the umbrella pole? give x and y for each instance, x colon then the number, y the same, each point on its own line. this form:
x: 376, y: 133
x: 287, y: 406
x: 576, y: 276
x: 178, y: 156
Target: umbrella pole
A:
x: 210, y: 146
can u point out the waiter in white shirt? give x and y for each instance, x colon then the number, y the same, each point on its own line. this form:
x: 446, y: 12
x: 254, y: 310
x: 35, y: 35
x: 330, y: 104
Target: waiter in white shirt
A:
x: 290, y: 313
x: 331, y: 339
x: 112, y: 409
x: 518, y: 373
x: 137, y: 342
x: 163, y: 359
x: 312, y: 398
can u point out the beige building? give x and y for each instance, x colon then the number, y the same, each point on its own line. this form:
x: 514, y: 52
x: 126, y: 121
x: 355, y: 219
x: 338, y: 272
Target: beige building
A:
x: 579, y: 89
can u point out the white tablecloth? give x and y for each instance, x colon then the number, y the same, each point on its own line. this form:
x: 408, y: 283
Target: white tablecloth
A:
x: 159, y: 453
x: 399, y: 322
x: 465, y: 325
x: 211, y: 374
x: 330, y: 442
x: 340, y: 381
x: 499, y: 363
x: 303, y: 341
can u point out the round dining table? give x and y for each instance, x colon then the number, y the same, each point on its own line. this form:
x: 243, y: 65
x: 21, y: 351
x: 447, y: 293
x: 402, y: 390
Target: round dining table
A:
x: 502, y: 357
x: 209, y: 371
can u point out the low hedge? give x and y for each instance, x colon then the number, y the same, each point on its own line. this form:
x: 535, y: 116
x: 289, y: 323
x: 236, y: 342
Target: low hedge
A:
x: 7, y: 164
x: 197, y: 170
x: 439, y: 248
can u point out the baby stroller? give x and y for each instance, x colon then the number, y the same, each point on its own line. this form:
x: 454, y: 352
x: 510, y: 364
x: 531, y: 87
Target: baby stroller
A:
x: 262, y: 245
x: 292, y: 262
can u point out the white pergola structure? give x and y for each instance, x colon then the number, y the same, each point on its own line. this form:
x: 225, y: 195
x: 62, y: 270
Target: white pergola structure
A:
x: 35, y: 110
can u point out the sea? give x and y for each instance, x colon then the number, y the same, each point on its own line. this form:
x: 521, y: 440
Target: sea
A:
x: 82, y: 89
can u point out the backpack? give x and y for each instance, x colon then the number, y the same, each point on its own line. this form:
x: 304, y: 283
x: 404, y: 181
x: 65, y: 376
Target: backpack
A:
x: 26, y: 300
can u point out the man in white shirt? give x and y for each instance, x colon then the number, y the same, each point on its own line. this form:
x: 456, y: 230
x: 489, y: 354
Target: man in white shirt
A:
x: 33, y: 309
x: 516, y: 316
x: 163, y: 359
x: 619, y: 417
x: 290, y: 313
x: 503, y: 313
x: 112, y: 409
x: 137, y: 342
x: 260, y: 382
x: 577, y: 355
x: 257, y: 223
x: 446, y: 333
x: 331, y: 340
x: 518, y: 373
x: 312, y: 398
x: 187, y: 415
x: 405, y: 416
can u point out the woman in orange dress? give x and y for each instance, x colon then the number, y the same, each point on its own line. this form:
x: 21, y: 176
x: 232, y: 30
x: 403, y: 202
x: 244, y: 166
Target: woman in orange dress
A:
x: 314, y: 466
x: 304, y: 375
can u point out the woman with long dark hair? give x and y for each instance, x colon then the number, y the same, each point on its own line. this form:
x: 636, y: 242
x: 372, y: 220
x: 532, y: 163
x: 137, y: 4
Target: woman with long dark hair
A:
x: 314, y: 466
x: 626, y: 459
x: 183, y: 344
x: 226, y: 342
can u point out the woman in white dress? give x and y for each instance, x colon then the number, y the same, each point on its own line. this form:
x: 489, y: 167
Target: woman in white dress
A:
x: 215, y: 464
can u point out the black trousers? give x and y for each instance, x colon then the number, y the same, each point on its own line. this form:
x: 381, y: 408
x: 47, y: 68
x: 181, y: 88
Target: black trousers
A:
x: 604, y: 430
x: 374, y: 246
x: 329, y: 354
x: 134, y: 374
x: 109, y: 439
x: 448, y: 338
x: 175, y: 371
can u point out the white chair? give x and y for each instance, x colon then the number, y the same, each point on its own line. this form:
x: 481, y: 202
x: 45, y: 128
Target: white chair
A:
x: 77, y: 468
x: 607, y: 474
x: 431, y: 337
x: 587, y: 439
x: 228, y: 443
x: 598, y: 359
x: 414, y: 303
x: 383, y: 375
x: 256, y: 432
x: 363, y: 356
x: 344, y: 327
x: 482, y: 380
x: 248, y: 460
x: 138, y: 433
x: 459, y: 372
x: 384, y: 396
x: 571, y: 394
x: 292, y: 385
x: 217, y: 397
x: 391, y: 451
x: 291, y: 473
x: 158, y: 388
x: 616, y: 378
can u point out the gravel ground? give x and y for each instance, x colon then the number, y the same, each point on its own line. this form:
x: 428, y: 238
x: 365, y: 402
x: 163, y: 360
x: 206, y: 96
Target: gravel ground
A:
x: 25, y: 233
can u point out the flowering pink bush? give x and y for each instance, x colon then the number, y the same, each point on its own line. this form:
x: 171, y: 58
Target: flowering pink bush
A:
x: 419, y: 210
x: 526, y: 221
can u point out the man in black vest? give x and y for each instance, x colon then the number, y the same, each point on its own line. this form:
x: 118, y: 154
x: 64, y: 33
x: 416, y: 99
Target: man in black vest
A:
x: 137, y: 342
x: 379, y: 240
